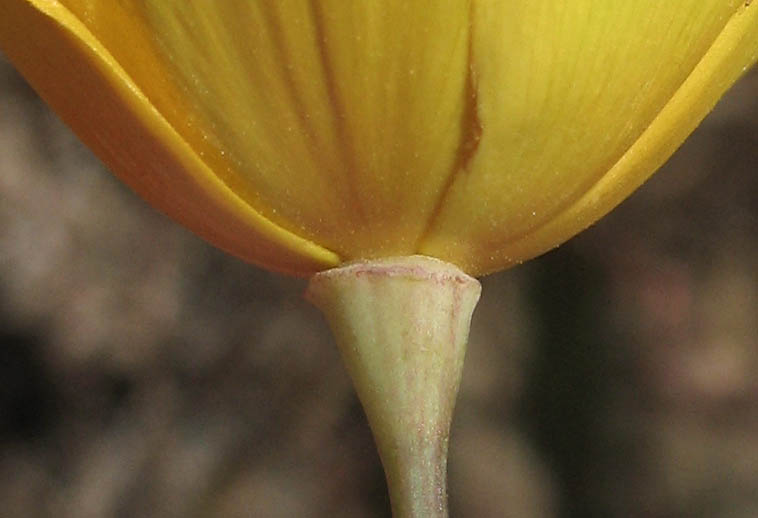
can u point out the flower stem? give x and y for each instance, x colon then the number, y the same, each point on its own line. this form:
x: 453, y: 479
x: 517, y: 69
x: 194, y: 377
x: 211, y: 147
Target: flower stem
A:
x: 401, y: 325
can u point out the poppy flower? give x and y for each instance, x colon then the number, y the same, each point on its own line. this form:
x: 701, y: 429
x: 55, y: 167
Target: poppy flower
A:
x: 300, y: 135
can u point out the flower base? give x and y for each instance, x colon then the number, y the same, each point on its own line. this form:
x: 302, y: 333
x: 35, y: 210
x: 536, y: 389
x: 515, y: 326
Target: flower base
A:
x: 401, y: 325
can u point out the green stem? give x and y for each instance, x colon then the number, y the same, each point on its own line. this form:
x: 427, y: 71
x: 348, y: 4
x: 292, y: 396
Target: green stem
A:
x: 401, y: 325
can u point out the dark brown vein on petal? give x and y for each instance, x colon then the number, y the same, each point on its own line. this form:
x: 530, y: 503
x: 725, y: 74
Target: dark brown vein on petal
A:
x: 471, y: 134
x: 571, y: 202
x: 345, y: 142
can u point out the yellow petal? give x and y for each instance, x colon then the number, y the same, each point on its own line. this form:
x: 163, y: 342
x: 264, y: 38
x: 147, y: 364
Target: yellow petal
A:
x: 93, y: 93
x: 339, y: 121
x: 578, y: 103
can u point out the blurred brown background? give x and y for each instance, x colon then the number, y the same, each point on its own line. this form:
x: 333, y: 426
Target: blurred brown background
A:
x: 145, y: 374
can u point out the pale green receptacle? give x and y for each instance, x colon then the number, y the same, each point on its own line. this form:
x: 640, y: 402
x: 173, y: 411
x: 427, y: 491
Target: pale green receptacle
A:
x: 402, y: 326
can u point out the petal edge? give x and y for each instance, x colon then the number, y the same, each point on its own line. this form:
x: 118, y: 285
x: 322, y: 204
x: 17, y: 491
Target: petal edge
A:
x: 63, y: 61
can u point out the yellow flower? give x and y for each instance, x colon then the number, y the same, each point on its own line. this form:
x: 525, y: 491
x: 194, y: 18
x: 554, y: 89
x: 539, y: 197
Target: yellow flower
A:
x: 300, y: 134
